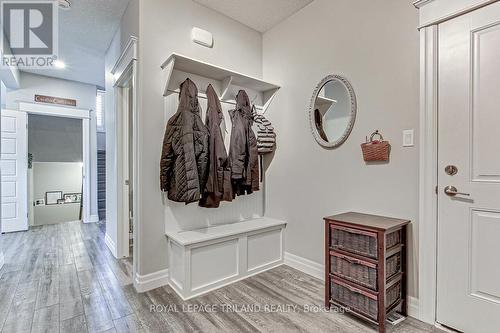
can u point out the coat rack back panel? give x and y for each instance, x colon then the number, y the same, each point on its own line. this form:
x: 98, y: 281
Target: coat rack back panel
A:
x: 181, y: 217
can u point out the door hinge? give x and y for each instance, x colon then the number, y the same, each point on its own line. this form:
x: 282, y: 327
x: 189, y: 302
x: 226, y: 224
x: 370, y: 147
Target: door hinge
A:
x: 436, y: 189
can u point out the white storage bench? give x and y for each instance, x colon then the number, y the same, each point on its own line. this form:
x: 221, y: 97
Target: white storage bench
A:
x: 205, y: 259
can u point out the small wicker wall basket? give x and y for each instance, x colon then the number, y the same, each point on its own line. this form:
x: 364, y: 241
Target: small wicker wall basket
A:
x: 376, y: 150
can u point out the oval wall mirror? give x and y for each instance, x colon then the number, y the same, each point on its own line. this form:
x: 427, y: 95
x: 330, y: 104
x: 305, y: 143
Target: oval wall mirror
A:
x: 333, y: 111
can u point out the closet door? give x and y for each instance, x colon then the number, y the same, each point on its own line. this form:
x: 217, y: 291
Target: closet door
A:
x: 14, y: 168
x: 468, y: 269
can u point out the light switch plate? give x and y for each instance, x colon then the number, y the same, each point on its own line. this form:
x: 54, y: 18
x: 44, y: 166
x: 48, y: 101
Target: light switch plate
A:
x: 408, y: 138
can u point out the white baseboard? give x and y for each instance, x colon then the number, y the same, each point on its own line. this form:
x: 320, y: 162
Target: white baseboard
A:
x: 143, y: 283
x: 111, y: 245
x: 2, y: 260
x: 93, y: 219
x: 317, y: 270
x: 444, y: 328
x: 305, y: 265
x: 413, y: 308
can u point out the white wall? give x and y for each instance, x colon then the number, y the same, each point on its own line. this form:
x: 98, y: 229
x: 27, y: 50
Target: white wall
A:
x: 165, y: 27
x: 375, y: 44
x: 56, y: 176
x: 32, y: 84
x: 84, y: 94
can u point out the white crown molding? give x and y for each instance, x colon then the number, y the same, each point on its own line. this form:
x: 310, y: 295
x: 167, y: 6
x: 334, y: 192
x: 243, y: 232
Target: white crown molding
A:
x: 420, y: 3
x: 143, y: 283
x: 434, y: 12
x: 305, y: 266
x: 129, y: 53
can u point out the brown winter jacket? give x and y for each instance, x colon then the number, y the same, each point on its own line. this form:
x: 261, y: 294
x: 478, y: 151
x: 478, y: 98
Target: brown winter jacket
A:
x: 243, y: 154
x: 218, y: 185
x: 184, y: 159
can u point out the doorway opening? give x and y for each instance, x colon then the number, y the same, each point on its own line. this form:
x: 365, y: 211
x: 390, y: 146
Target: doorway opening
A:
x: 55, y: 169
x: 125, y: 92
x: 125, y: 129
x: 52, y: 127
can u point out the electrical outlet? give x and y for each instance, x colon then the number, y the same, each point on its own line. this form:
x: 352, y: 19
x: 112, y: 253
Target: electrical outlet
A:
x: 408, y: 138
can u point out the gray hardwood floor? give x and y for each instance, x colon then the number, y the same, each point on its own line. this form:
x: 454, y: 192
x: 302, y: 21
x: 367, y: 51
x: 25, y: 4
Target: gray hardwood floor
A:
x: 62, y: 278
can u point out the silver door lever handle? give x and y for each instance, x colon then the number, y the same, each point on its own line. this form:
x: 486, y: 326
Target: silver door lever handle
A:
x: 452, y: 191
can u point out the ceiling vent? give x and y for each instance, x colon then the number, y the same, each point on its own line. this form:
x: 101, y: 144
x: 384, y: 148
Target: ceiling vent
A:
x: 64, y: 4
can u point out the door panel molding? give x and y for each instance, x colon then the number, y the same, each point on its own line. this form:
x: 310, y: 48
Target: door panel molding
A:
x: 481, y: 254
x: 14, y: 177
x: 485, y: 164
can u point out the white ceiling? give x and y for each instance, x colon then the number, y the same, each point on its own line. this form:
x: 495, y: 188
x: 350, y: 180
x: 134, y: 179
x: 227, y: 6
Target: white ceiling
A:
x: 260, y: 15
x: 85, y: 32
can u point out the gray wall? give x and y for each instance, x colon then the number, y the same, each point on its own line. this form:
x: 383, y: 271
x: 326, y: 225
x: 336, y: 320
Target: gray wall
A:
x: 375, y: 44
x: 101, y: 141
x: 55, y: 139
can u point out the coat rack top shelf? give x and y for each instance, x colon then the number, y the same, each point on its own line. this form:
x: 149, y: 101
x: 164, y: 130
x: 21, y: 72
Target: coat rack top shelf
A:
x: 225, y: 81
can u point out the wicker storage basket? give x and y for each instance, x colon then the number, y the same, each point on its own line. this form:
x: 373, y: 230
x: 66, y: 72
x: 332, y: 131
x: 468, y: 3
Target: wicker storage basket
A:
x: 354, y: 241
x: 354, y: 270
x: 393, y: 294
x: 354, y: 299
x: 393, y: 239
x: 360, y: 272
x: 393, y: 265
x: 376, y: 150
x: 361, y: 302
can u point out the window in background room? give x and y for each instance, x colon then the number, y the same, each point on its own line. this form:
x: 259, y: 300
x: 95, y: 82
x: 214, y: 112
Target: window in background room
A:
x: 100, y: 110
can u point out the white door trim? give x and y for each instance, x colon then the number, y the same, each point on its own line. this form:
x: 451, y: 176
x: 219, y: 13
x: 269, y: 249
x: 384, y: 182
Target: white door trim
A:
x: 124, y: 71
x: 54, y: 110
x: 431, y: 14
x: 427, y: 253
x: 84, y: 115
x: 434, y: 12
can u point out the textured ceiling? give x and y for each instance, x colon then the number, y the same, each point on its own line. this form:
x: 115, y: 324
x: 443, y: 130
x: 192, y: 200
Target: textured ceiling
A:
x: 85, y: 32
x: 260, y: 15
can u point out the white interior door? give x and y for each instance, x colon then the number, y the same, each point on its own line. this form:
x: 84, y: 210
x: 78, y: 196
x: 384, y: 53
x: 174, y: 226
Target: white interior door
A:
x: 14, y: 166
x: 468, y: 296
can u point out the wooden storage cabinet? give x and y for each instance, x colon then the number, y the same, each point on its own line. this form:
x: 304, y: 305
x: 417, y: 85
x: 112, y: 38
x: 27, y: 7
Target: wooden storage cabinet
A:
x: 365, y: 265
